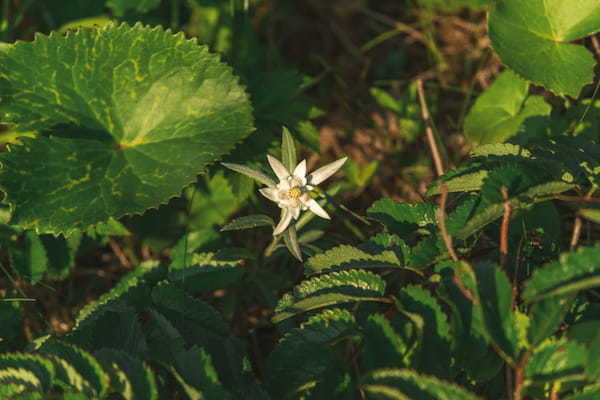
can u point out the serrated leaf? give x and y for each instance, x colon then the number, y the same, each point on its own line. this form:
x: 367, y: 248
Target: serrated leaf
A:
x: 329, y: 290
x: 501, y: 109
x: 133, y: 378
x: 591, y: 392
x: 61, y: 253
x: 403, y: 384
x: 494, y: 211
x: 197, y: 375
x: 593, y: 360
x: 248, y: 222
x: 385, y: 347
x: 204, y: 273
x: 468, y: 329
x: 516, y: 179
x: 544, y: 318
x: 350, y: 257
x: 33, y: 371
x: 402, y: 218
x: 533, y: 37
x: 573, y: 272
x: 495, y: 292
x: 466, y: 182
x: 122, y: 127
x: 304, y: 354
x: 556, y: 362
x: 433, y: 356
x: 77, y: 368
x: 122, y: 7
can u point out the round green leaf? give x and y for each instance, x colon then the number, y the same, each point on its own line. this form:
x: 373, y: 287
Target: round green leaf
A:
x: 126, y: 117
x: 532, y: 38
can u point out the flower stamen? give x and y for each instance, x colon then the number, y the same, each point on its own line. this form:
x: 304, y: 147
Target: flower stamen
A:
x: 294, y: 193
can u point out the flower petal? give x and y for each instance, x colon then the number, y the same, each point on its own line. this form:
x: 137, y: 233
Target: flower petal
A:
x: 325, y: 172
x: 286, y: 218
x: 317, y: 209
x: 281, y: 171
x: 295, y: 212
x: 269, y: 193
x: 300, y: 170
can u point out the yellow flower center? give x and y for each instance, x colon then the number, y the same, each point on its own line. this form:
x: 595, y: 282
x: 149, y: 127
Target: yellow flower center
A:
x: 294, y: 193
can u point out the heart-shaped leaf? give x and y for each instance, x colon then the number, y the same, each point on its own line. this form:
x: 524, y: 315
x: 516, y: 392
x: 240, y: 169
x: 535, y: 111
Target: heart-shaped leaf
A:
x: 126, y: 117
x: 532, y: 37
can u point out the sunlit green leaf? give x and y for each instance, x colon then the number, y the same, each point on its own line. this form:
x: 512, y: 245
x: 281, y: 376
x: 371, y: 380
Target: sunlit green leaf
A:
x: 501, y: 109
x: 122, y: 127
x: 532, y: 38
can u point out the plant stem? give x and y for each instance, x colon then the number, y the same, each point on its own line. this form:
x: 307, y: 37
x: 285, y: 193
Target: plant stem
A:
x: 437, y: 160
x: 504, y: 228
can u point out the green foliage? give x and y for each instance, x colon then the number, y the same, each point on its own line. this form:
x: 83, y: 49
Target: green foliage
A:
x: 329, y: 290
x: 100, y: 153
x: 532, y: 39
x: 463, y: 298
x: 501, y: 110
x: 401, y: 384
x: 573, y: 272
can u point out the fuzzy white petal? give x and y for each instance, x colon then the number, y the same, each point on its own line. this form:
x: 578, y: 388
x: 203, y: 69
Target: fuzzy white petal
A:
x: 281, y: 171
x: 300, y: 170
x: 269, y: 193
x: 295, y: 212
x: 317, y: 209
x: 325, y: 172
x: 286, y: 218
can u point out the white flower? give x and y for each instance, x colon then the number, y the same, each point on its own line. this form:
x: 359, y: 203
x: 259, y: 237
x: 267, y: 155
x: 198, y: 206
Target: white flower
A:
x: 292, y: 193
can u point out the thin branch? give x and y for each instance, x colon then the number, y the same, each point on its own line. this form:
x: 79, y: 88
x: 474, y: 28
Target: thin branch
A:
x: 520, y: 377
x: 504, y: 228
x: 576, y: 232
x: 579, y: 222
x: 442, y: 220
x: 437, y: 160
x: 116, y: 248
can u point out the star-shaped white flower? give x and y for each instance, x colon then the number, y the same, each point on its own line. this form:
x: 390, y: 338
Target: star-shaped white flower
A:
x: 292, y: 193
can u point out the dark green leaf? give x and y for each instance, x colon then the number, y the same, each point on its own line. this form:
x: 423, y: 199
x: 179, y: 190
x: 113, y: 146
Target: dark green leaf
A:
x: 329, y: 290
x: 402, y: 218
x: 403, y: 384
x: 556, y: 362
x: 132, y: 378
x: 248, y: 222
x: 29, y: 257
x: 495, y: 293
x: 305, y: 354
x: 122, y: 7
x: 433, y: 356
x: 573, y: 272
x: 77, y: 368
x: 32, y: 371
x: 384, y: 346
x: 349, y: 257
x: 544, y: 318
